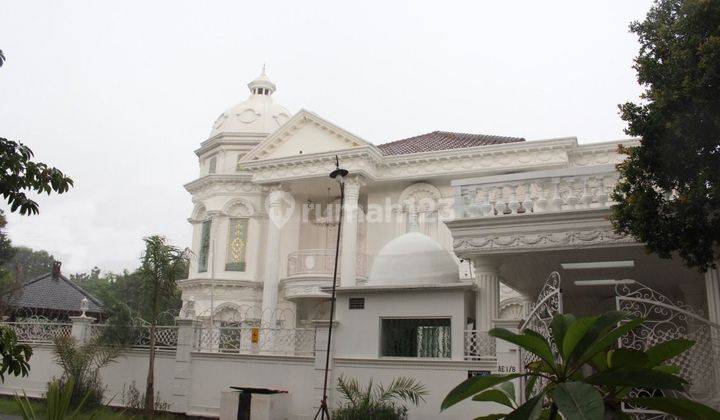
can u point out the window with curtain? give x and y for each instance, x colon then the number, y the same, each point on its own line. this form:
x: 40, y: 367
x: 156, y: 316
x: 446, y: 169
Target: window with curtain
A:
x: 204, y: 247
x: 236, y: 244
x: 415, y: 337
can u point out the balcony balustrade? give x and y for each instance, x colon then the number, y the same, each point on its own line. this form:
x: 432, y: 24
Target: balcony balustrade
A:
x: 536, y: 192
x: 320, y: 263
x: 309, y: 270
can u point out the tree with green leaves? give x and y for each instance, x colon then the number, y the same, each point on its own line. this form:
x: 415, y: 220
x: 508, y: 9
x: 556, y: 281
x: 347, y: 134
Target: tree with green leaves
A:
x: 19, y: 174
x: 14, y: 357
x: 580, y: 374
x: 161, y: 266
x: 27, y: 264
x: 669, y: 192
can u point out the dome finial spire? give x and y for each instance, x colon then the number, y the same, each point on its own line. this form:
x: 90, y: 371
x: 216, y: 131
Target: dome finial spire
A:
x: 262, y: 85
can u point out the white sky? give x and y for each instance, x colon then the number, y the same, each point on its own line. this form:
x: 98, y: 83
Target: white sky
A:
x: 119, y: 94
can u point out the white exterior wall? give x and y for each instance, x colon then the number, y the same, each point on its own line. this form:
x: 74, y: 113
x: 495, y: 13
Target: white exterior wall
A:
x: 437, y: 376
x: 213, y: 373
x: 358, y: 331
x: 130, y: 366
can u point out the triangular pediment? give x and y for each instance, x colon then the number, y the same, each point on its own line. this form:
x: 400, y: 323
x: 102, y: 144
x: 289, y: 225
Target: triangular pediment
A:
x: 305, y: 133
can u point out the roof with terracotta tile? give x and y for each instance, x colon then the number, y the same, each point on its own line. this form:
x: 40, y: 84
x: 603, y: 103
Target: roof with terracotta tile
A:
x: 442, y: 140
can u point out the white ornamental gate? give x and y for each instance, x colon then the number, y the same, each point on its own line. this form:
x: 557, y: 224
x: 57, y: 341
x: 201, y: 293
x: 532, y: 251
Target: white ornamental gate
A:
x: 548, y: 303
x: 667, y: 320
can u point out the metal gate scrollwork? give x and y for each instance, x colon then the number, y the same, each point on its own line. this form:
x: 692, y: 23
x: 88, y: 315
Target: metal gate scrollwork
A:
x: 666, y: 320
x: 548, y: 303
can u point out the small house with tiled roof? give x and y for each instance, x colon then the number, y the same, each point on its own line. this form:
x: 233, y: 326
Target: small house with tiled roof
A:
x: 52, y: 296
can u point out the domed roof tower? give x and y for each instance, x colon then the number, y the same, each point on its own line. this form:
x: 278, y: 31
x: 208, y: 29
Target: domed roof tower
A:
x: 258, y: 114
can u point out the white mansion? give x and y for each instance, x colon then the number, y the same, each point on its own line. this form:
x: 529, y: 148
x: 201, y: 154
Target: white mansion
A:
x: 443, y: 237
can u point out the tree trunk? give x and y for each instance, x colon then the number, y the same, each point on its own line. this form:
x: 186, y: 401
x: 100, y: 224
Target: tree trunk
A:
x: 150, y: 387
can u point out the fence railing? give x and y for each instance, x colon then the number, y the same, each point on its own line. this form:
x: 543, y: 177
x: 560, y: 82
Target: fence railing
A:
x: 537, y: 192
x: 39, y: 332
x: 249, y: 340
x: 166, y: 336
x: 478, y: 344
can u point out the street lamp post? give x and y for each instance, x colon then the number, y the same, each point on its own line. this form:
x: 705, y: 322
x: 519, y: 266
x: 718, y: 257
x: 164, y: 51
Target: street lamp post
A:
x: 339, y: 175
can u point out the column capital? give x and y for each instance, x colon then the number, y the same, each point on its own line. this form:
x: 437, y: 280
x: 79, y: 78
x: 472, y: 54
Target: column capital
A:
x: 487, y: 264
x: 352, y: 187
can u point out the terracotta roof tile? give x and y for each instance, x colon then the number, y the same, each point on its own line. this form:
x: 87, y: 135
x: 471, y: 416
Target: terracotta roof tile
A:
x: 442, y: 140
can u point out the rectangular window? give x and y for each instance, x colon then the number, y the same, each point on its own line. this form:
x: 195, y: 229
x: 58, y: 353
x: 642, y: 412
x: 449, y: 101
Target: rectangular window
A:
x: 357, y: 303
x: 212, y: 165
x: 236, y: 244
x: 204, y: 247
x: 415, y: 337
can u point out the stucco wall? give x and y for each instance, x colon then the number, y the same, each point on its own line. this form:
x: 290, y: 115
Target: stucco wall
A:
x: 128, y: 367
x: 213, y: 373
x: 438, y: 377
x: 358, y: 331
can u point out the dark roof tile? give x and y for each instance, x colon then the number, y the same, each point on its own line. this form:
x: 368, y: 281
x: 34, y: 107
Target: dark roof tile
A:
x: 442, y: 140
x: 47, y: 292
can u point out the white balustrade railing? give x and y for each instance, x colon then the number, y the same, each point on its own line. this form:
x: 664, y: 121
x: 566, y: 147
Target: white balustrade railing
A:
x: 320, y: 262
x: 478, y: 344
x: 38, y: 332
x: 536, y: 192
x: 278, y: 341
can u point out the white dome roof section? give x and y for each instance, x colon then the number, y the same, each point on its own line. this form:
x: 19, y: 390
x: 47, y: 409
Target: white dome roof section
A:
x: 413, y: 259
x: 256, y: 115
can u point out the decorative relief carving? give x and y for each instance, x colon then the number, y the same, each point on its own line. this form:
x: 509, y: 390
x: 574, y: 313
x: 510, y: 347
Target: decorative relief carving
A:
x: 239, y: 207
x: 541, y: 240
x: 210, y: 188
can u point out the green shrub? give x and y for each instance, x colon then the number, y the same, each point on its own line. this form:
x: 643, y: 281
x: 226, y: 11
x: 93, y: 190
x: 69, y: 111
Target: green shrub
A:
x: 377, y: 402
x: 81, y: 364
x: 580, y: 373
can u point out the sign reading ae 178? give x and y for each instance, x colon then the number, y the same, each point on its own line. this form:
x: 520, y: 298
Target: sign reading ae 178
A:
x: 508, y: 357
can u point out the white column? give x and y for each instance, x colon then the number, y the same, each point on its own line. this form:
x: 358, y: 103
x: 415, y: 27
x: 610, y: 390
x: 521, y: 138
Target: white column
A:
x: 182, y: 380
x: 81, y: 328
x: 272, y: 256
x: 487, y: 279
x: 349, y: 233
x: 712, y: 289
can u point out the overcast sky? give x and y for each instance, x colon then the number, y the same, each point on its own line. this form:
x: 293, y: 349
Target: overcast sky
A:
x: 119, y: 94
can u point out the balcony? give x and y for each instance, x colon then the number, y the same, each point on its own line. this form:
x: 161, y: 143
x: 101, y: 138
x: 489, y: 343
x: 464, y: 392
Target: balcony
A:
x: 526, y: 193
x: 308, y: 270
x: 555, y: 209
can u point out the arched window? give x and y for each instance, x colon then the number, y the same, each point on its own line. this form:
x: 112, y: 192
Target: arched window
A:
x: 236, y: 244
x: 204, y: 246
x: 239, y: 212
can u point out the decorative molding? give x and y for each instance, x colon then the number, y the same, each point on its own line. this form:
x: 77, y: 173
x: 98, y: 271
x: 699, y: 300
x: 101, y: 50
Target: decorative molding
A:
x: 600, y: 153
x: 369, y: 162
x: 221, y: 184
x: 547, y: 240
x: 292, y: 126
x: 239, y: 207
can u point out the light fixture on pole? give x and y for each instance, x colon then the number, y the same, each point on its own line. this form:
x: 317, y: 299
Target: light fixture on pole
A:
x: 339, y: 175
